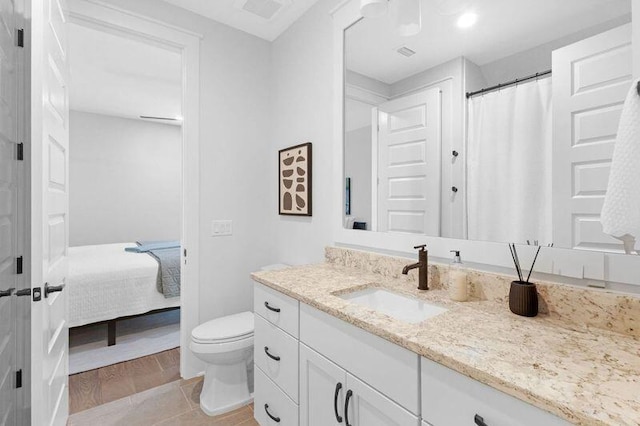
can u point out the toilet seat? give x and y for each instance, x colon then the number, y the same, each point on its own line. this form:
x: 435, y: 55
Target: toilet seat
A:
x: 223, y: 334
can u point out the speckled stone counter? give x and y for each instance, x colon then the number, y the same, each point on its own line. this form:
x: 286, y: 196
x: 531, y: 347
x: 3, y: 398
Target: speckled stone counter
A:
x: 567, y: 360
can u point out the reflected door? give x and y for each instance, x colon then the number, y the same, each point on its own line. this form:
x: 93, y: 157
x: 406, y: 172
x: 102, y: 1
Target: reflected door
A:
x: 591, y: 79
x: 409, y: 168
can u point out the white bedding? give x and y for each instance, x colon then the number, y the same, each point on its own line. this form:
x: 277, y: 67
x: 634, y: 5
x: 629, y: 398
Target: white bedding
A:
x: 105, y: 282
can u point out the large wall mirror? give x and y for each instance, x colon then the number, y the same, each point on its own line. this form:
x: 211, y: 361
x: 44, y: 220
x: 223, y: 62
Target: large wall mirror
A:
x: 439, y: 139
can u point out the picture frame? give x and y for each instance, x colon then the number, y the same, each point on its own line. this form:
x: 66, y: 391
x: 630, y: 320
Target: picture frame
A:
x: 295, y: 180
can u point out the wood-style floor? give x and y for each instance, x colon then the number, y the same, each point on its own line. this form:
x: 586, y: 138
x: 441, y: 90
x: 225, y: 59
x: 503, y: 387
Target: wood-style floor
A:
x: 102, y: 385
x: 147, y: 391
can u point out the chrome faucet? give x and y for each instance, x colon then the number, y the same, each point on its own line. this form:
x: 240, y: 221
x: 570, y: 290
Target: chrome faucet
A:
x: 423, y: 263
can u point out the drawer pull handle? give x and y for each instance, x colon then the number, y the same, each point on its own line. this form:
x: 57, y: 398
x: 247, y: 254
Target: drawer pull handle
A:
x: 346, y: 407
x: 479, y: 420
x: 271, y: 416
x: 266, y: 305
x: 335, y: 402
x: 273, y: 357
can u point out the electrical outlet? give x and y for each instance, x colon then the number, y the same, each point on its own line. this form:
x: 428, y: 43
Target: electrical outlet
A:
x: 221, y: 228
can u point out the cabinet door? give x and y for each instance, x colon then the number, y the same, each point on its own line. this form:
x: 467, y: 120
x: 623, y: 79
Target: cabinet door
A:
x: 322, y: 390
x: 368, y: 407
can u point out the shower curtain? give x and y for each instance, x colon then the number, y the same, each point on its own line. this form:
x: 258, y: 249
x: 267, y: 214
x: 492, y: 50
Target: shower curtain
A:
x: 509, y: 164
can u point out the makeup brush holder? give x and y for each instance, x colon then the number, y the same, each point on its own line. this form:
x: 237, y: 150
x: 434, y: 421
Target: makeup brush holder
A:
x: 523, y: 299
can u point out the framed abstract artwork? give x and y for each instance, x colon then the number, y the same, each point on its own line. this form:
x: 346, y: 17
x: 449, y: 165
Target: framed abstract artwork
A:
x: 294, y: 180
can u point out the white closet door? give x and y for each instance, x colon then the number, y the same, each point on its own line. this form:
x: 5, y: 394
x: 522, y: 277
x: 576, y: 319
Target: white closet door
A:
x: 591, y: 79
x: 8, y: 212
x: 409, y: 168
x: 50, y: 207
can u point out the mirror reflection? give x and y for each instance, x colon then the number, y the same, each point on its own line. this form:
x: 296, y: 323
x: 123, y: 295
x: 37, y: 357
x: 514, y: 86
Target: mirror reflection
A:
x: 489, y: 120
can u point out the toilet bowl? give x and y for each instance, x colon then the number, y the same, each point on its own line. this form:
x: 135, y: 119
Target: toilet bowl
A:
x: 226, y: 346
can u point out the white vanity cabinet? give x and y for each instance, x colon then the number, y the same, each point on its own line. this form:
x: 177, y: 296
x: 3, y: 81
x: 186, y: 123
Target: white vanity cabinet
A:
x: 453, y: 399
x: 313, y: 369
x: 329, y: 395
x: 275, y: 354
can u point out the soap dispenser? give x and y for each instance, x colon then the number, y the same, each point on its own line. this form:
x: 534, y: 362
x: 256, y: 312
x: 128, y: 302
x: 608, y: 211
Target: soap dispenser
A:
x: 457, y: 279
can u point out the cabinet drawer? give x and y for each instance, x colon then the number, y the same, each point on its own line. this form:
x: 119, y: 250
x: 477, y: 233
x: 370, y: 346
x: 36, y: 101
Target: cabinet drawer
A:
x: 453, y: 399
x: 282, y: 365
x: 389, y: 368
x: 277, y: 308
x: 269, y: 399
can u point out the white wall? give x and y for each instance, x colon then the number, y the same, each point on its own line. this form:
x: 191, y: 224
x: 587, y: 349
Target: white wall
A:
x: 302, y: 110
x: 538, y: 59
x: 234, y: 153
x: 636, y: 36
x: 124, y: 180
x: 357, y: 166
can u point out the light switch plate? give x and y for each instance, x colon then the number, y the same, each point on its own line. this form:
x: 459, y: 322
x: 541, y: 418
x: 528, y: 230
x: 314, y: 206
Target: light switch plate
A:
x: 221, y: 228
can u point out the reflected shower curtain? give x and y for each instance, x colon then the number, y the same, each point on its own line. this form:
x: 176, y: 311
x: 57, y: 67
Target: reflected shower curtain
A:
x: 509, y: 164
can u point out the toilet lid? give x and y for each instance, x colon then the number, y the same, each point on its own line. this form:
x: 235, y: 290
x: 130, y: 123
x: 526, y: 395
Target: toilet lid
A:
x: 229, y: 328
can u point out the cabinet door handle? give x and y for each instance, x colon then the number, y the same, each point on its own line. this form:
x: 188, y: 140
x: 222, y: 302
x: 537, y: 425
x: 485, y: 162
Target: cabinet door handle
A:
x: 479, y: 420
x: 8, y: 292
x: 335, y: 402
x: 346, y: 407
x: 272, y: 417
x: 273, y: 357
x: 266, y: 305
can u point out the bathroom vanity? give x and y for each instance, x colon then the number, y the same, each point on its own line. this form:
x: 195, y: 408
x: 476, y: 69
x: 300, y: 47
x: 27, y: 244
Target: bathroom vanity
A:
x: 326, y: 357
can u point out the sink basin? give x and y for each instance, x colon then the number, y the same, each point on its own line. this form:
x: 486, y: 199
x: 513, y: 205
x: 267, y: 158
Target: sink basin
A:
x: 400, y: 307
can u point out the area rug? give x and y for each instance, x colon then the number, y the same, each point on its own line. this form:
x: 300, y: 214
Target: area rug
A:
x: 135, y: 338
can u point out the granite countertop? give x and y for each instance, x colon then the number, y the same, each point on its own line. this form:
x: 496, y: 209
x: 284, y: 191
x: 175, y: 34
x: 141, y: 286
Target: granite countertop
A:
x: 585, y: 375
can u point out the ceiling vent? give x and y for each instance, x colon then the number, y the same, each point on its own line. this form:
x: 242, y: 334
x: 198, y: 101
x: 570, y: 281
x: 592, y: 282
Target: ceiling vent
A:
x: 405, y: 51
x: 266, y: 9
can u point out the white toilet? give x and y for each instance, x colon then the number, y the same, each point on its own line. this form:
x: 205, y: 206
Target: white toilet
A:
x: 226, y: 346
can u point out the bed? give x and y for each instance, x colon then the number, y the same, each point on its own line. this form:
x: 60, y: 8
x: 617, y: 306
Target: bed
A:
x: 107, y: 283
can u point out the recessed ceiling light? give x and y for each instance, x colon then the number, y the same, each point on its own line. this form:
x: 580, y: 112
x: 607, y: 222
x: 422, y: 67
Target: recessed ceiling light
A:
x: 467, y: 20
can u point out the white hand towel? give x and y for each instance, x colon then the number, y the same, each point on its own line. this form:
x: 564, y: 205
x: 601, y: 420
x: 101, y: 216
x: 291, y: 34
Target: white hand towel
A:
x: 621, y: 210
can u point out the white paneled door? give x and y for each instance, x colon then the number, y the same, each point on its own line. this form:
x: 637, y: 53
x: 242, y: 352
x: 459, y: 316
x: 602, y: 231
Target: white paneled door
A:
x: 591, y: 79
x: 8, y: 212
x: 50, y: 205
x: 409, y: 167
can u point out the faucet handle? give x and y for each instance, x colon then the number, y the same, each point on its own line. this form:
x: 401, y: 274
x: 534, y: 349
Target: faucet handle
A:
x: 421, y: 247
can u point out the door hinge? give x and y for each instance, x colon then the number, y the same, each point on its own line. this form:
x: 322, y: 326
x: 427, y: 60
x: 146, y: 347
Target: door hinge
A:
x: 19, y: 265
x: 20, y: 38
x: 19, y: 379
x: 20, y: 153
x: 185, y: 252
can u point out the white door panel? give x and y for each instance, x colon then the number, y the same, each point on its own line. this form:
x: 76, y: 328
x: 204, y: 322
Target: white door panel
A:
x: 50, y: 212
x: 368, y: 407
x: 319, y: 379
x: 409, y: 168
x: 590, y: 82
x: 8, y: 212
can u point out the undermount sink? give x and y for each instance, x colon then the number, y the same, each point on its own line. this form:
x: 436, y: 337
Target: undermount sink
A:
x: 400, y: 307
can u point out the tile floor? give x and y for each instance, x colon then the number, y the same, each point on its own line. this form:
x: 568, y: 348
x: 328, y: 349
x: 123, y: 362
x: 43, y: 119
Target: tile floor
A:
x: 96, y: 387
x: 144, y: 400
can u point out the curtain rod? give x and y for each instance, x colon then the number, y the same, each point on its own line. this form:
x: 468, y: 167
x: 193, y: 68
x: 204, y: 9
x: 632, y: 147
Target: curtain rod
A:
x: 508, y: 84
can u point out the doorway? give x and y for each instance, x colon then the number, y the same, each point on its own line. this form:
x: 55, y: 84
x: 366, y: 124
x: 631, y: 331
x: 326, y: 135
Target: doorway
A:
x: 49, y: 81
